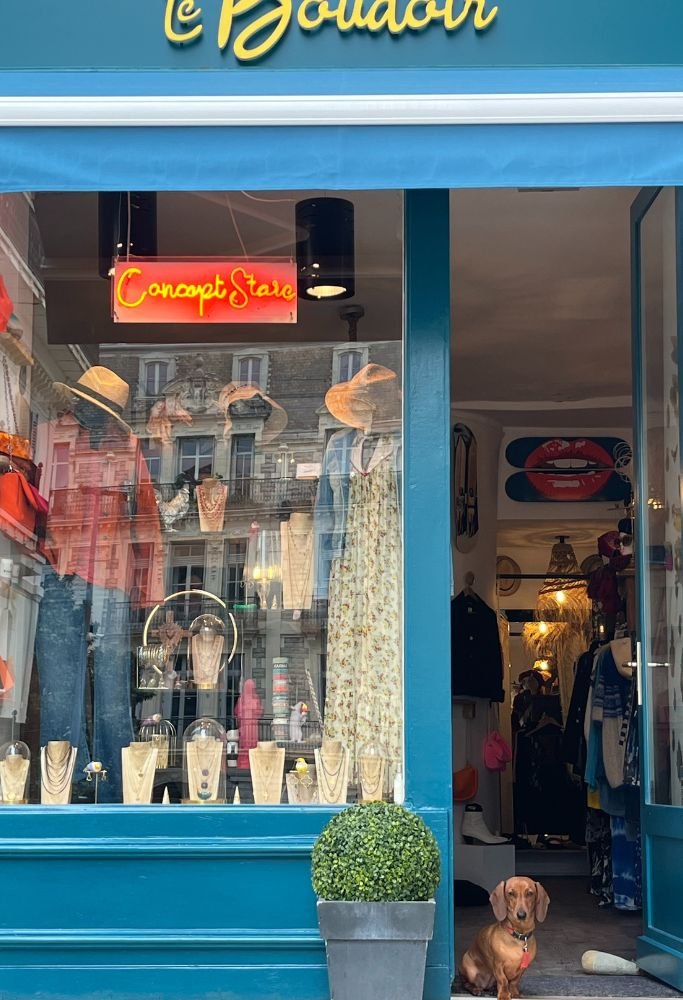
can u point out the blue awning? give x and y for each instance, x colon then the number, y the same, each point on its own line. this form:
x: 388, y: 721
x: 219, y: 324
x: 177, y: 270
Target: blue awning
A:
x: 345, y: 158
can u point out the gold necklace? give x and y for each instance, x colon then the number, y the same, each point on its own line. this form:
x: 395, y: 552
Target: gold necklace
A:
x: 212, y: 508
x: 206, y: 660
x: 208, y: 761
x: 371, y: 784
x: 209, y: 503
x: 163, y: 745
x: 299, y: 586
x: 56, y: 773
x: 333, y: 779
x: 14, y: 774
x: 268, y: 773
x: 139, y: 768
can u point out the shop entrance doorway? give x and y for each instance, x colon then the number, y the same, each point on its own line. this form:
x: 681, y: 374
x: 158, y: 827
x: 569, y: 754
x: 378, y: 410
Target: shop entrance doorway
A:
x: 568, y: 758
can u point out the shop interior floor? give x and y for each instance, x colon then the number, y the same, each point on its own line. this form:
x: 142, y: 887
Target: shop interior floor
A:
x: 575, y: 924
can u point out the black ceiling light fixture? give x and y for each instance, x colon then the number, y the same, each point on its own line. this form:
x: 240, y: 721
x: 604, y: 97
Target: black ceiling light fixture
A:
x: 127, y: 226
x: 325, y: 248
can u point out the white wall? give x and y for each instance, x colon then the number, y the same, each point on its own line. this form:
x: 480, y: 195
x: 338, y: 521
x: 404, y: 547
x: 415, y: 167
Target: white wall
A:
x: 469, y: 734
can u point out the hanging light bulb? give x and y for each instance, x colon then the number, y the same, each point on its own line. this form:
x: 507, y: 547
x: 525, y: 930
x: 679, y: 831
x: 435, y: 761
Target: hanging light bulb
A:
x: 127, y: 226
x: 325, y: 248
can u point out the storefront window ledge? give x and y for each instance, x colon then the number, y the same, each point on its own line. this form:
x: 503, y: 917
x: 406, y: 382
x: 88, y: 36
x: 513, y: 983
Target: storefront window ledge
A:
x: 137, y: 938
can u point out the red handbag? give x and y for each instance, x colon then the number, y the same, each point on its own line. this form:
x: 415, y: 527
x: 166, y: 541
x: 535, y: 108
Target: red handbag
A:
x: 17, y: 499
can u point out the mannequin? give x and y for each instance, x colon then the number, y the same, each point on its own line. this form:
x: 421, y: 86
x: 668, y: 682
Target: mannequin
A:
x: 211, y: 500
x: 359, y: 567
x: 57, y: 763
x: 88, y: 574
x: 138, y: 765
x: 267, y: 764
x: 332, y: 770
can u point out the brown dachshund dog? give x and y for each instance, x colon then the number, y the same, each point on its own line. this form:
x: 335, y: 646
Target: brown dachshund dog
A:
x: 504, y: 951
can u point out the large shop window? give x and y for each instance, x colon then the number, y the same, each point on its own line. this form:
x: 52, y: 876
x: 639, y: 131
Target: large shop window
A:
x: 200, y: 501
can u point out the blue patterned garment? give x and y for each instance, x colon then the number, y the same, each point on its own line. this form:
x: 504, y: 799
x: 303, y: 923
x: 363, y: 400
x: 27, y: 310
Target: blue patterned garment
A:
x: 626, y: 871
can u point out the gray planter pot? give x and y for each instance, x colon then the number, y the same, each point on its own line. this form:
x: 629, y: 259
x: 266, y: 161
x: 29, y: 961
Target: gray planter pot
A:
x: 376, y: 950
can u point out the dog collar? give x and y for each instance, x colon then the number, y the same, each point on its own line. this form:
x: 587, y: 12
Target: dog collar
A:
x: 521, y: 937
x: 524, y: 938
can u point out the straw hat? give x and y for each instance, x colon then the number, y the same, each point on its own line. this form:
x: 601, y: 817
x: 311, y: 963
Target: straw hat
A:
x: 373, y: 392
x: 103, y: 388
x: 236, y: 393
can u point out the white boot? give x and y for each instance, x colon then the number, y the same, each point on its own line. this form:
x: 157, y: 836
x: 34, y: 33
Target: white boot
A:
x: 475, y: 830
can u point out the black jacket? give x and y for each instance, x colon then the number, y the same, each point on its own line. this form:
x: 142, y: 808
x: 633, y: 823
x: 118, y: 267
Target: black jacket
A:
x: 476, y: 654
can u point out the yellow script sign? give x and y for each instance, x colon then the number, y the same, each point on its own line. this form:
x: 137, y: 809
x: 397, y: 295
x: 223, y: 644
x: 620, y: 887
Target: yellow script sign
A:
x: 184, y: 20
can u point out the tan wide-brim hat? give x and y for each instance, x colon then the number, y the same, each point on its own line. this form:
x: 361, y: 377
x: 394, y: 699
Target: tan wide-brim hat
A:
x: 356, y: 402
x: 235, y: 393
x: 104, y: 388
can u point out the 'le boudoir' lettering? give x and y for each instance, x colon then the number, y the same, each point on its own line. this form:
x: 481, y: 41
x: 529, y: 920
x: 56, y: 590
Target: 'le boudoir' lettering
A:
x: 184, y: 19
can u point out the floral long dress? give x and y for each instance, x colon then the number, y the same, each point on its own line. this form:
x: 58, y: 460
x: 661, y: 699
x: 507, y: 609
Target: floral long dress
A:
x: 364, y: 700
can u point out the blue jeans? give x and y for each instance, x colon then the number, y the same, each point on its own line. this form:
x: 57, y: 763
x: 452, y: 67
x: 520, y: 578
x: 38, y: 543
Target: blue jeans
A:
x: 67, y: 611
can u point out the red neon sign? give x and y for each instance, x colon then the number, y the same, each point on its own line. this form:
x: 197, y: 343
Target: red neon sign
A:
x: 203, y: 291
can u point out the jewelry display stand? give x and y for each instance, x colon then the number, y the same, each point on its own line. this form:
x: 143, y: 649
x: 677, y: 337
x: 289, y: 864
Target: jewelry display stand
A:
x: 211, y: 497
x: 267, y: 764
x: 301, y: 789
x: 15, y: 767
x: 207, y: 643
x: 138, y: 763
x: 371, y: 772
x: 161, y: 734
x: 332, y: 771
x: 204, y: 763
x: 209, y: 650
x: 57, y: 765
x: 297, y: 561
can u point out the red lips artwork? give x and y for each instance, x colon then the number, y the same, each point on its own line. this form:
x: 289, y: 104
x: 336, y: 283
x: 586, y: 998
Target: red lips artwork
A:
x: 569, y: 470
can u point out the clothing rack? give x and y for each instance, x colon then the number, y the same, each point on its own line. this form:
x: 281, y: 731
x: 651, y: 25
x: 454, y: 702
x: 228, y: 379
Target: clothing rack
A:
x: 542, y: 576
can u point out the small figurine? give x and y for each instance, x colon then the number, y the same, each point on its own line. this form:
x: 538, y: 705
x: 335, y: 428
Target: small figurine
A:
x: 248, y: 711
x: 297, y: 718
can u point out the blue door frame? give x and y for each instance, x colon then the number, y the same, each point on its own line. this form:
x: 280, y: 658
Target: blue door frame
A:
x: 660, y: 948
x: 181, y: 903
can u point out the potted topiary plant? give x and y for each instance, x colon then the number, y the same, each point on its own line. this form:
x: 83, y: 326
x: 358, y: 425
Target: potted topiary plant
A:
x: 376, y: 867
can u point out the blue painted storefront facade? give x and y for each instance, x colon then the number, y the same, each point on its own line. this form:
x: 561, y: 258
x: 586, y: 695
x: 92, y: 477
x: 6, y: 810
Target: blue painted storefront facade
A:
x: 104, y: 903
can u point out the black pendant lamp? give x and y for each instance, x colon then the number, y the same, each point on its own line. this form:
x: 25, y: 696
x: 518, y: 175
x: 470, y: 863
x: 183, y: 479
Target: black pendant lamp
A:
x: 127, y: 226
x: 325, y: 249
